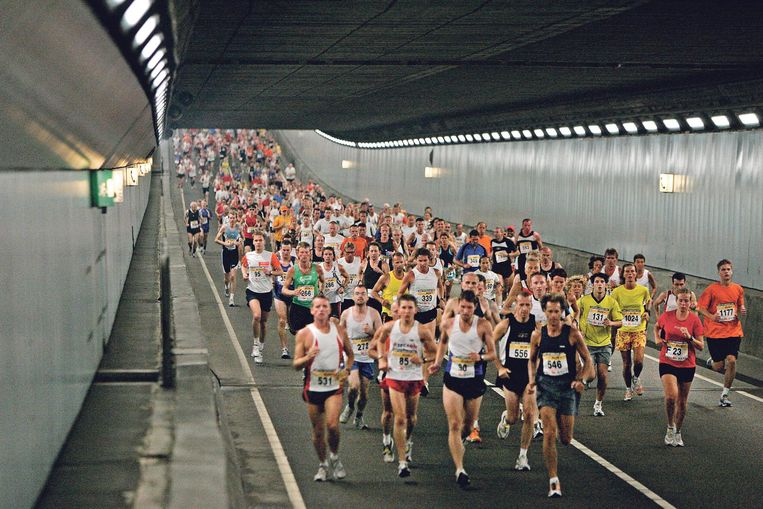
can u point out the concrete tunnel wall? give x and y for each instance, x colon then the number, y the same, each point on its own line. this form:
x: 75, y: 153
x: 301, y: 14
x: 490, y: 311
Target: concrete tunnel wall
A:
x: 64, y: 267
x: 584, y: 195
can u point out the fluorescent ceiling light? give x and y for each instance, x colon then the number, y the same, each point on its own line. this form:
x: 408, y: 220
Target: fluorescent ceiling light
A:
x: 612, y: 128
x: 461, y: 138
x: 447, y: 139
x: 749, y: 119
x: 552, y: 132
x: 428, y: 140
x: 159, y: 68
x: 147, y: 29
x: 158, y: 56
x: 650, y: 125
x: 405, y: 142
x: 595, y: 129
x: 421, y: 141
x: 630, y: 127
x: 566, y: 131
x: 505, y: 135
x: 469, y: 137
x: 486, y: 136
x: 134, y: 13
x: 151, y: 46
x: 720, y: 121
x: 539, y: 133
x: 671, y: 124
x: 496, y: 136
x: 527, y: 133
x: 516, y: 135
x: 579, y: 130
x: 441, y: 139
x: 113, y: 4
x: 477, y: 137
x: 160, y: 78
x: 695, y: 123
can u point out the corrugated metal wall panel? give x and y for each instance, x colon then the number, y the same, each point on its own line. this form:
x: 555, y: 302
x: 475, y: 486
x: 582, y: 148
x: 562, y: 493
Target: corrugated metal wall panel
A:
x: 586, y: 194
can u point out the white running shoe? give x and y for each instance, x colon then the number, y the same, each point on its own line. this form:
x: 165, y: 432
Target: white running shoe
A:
x: 285, y: 353
x: 323, y: 473
x: 628, y: 395
x: 255, y: 348
x: 638, y: 387
x: 597, y: 411
x: 522, y: 464
x: 230, y: 301
x: 724, y: 402
x: 670, y: 436
x: 677, y: 440
x: 403, y: 470
x: 388, y: 452
x: 554, y: 490
x: 360, y: 423
x: 337, y: 469
x: 503, y: 426
x: 345, y: 415
x: 409, y: 451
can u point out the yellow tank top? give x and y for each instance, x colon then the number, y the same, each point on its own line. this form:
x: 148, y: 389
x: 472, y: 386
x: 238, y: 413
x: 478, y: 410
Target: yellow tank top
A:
x: 390, y: 292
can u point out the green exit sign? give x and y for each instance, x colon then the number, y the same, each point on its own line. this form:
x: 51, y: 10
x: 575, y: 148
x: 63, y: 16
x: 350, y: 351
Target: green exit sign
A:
x: 101, y: 194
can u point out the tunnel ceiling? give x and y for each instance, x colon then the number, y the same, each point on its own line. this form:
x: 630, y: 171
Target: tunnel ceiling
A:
x: 382, y: 70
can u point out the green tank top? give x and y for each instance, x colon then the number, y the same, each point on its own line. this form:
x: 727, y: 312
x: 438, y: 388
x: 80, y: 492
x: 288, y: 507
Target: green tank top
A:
x: 306, y: 286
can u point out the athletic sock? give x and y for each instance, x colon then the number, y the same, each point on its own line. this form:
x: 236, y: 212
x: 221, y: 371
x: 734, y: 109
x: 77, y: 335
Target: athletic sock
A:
x: 725, y: 392
x: 386, y: 439
x: 522, y: 452
x: 553, y: 480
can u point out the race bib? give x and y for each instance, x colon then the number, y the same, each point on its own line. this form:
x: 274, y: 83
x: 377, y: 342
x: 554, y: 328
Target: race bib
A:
x: 323, y: 379
x: 555, y: 364
x: 425, y: 297
x: 204, y: 220
x: 250, y: 229
x: 525, y: 247
x: 677, y: 351
x: 351, y: 279
x: 360, y: 348
x: 473, y: 260
x: 257, y: 272
x: 596, y: 316
x: 631, y: 318
x: 404, y: 361
x: 330, y: 284
x: 461, y: 367
x: 519, y: 350
x: 501, y: 257
x: 194, y: 225
x: 306, y: 292
x: 727, y: 311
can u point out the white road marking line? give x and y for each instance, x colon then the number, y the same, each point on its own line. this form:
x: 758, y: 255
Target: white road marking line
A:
x: 654, y: 497
x: 713, y: 382
x: 290, y: 482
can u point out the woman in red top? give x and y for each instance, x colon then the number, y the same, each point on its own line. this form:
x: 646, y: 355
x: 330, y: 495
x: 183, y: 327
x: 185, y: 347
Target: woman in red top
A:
x: 679, y: 334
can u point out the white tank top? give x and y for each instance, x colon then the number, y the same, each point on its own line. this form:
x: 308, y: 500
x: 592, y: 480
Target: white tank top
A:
x: 360, y: 340
x: 331, y: 282
x: 424, y: 288
x: 537, y: 311
x: 670, y: 302
x: 352, y: 275
x: 323, y: 368
x: 402, y: 347
x: 257, y: 264
x: 491, y: 279
x: 644, y: 280
x: 615, y: 277
x: 460, y: 345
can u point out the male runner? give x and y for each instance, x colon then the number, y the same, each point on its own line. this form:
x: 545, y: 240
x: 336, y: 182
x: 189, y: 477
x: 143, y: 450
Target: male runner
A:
x: 643, y: 276
x: 721, y: 304
x: 324, y: 352
x: 193, y: 228
x: 667, y: 299
x: 553, y: 370
x: 388, y: 285
x: 281, y: 301
x: 410, y: 347
x: 361, y: 323
x: 527, y: 241
x: 465, y: 336
x: 351, y: 265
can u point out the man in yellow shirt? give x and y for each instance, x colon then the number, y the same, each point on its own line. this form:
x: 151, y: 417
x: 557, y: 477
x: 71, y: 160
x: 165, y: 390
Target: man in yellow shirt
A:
x: 598, y: 314
x: 634, y: 301
x: 281, y: 225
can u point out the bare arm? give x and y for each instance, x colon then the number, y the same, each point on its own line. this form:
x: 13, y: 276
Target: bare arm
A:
x: 498, y: 333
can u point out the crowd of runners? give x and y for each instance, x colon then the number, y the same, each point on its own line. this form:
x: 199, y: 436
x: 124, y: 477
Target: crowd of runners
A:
x: 368, y: 293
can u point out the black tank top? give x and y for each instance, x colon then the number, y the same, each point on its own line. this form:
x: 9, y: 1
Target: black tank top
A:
x: 518, y: 333
x: 317, y: 258
x: 549, y: 362
x: 193, y: 216
x: 387, y: 248
x: 371, y: 276
x: 446, y: 255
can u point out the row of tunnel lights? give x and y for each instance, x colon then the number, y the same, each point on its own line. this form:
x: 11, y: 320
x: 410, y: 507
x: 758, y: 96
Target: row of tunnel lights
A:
x: 695, y: 123
x: 147, y: 41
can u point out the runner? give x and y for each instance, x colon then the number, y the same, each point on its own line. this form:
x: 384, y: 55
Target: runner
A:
x: 679, y: 334
x: 410, y: 347
x: 721, y: 304
x: 281, y: 301
x: 547, y: 263
x: 303, y: 283
x: 634, y: 303
x: 599, y: 312
x: 667, y: 299
x: 258, y: 267
x: 464, y: 376
x: 503, y: 253
x: 611, y: 269
x: 351, y: 265
x: 470, y: 254
x: 554, y: 371
x: 323, y: 352
x: 512, y: 342
x: 193, y: 228
x: 522, y: 280
x: 334, y: 280
x: 204, y: 217
x: 375, y: 351
x: 527, y: 241
x: 493, y: 282
x: 387, y: 287
x: 643, y: 276
x: 250, y: 226
x: 361, y: 323
x: 372, y: 269
x: 229, y: 236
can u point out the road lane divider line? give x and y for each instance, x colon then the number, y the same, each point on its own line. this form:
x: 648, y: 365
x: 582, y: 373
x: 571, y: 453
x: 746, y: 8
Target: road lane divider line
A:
x: 290, y: 482
x: 654, y: 497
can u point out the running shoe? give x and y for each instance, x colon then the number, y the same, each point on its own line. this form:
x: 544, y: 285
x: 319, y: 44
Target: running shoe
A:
x: 230, y: 301
x: 402, y: 470
x: 554, y: 490
x: 337, y: 469
x: 285, y: 353
x: 538, y: 429
x: 677, y: 440
x: 725, y: 401
x: 638, y: 387
x: 323, y: 473
x: 474, y: 436
x: 462, y: 478
x: 670, y: 436
x: 597, y: 411
x: 709, y: 363
x: 522, y: 464
x: 255, y: 348
x: 503, y: 427
x: 388, y: 453
x: 409, y: 451
x: 628, y: 395
x: 360, y: 423
x: 346, y: 413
